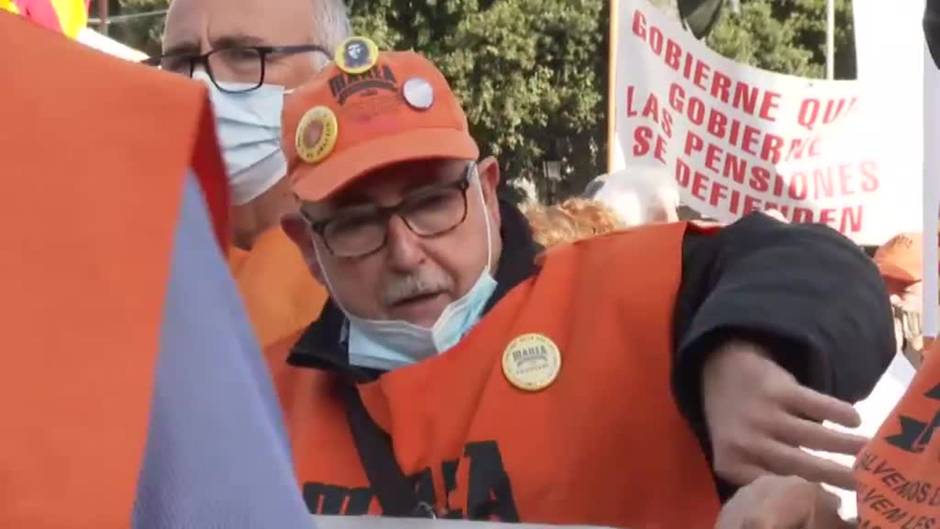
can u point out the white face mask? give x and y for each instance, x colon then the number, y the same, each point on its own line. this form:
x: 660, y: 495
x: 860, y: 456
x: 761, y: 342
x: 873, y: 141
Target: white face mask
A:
x: 390, y: 344
x: 249, y: 130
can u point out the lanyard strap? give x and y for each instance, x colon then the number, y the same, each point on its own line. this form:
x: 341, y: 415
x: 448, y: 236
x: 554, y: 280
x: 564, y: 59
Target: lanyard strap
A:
x: 395, y: 492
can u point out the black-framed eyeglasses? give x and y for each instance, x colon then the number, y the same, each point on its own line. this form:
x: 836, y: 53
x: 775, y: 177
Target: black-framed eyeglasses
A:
x: 363, y: 230
x: 244, y: 65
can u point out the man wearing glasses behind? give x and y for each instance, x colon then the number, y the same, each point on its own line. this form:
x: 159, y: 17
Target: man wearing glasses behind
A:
x: 249, y: 53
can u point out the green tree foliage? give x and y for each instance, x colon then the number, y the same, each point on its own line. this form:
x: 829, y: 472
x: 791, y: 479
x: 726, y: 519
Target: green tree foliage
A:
x: 139, y: 29
x: 786, y: 37
x: 532, y: 74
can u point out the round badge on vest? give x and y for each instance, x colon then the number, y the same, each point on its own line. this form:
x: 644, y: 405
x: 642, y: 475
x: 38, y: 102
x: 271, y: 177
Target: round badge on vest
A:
x: 316, y: 134
x: 531, y: 362
x: 418, y: 93
x: 356, y: 55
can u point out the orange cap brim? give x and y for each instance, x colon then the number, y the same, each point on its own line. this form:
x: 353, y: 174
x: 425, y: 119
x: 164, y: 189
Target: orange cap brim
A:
x: 892, y: 271
x: 316, y: 183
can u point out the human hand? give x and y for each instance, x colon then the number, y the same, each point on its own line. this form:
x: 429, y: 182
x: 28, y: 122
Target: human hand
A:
x: 776, y: 502
x: 758, y: 416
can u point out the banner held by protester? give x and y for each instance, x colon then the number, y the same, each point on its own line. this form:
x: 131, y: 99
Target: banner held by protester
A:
x: 931, y: 196
x: 739, y: 139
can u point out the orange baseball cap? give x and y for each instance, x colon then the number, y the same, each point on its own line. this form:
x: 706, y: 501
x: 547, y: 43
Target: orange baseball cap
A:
x: 368, y: 110
x: 901, y: 258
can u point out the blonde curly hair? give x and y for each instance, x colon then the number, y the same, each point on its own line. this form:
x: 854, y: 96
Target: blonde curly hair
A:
x: 572, y: 220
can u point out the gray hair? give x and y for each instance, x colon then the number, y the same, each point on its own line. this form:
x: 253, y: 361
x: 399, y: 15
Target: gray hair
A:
x: 639, y: 195
x: 331, y: 23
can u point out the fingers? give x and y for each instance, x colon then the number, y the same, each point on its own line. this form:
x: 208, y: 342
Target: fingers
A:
x: 760, y: 425
x: 785, y: 457
x: 774, y: 458
x: 826, y: 513
x: 785, y: 460
x: 778, y: 502
x: 738, y: 473
x: 797, y: 432
x: 814, y: 405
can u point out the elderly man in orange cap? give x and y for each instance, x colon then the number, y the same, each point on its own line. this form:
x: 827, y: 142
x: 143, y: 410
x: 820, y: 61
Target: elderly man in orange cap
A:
x: 457, y: 372
x: 900, y: 263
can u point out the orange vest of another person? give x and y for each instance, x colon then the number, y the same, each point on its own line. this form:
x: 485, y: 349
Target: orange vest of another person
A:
x: 280, y: 294
x: 898, y: 473
x: 603, y: 444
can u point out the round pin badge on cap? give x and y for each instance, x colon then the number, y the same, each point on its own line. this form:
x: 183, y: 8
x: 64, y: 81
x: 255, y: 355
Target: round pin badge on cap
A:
x: 316, y: 134
x: 531, y: 362
x: 356, y: 55
x: 418, y: 93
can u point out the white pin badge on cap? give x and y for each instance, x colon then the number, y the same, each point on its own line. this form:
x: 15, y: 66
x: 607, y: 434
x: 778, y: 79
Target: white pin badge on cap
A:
x: 418, y: 93
x: 531, y: 362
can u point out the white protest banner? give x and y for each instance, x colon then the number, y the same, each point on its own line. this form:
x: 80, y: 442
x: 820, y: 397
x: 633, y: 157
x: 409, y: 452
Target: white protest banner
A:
x: 739, y: 139
x: 931, y: 321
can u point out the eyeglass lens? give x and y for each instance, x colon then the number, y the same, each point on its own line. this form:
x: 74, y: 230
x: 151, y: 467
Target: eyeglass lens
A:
x: 428, y: 214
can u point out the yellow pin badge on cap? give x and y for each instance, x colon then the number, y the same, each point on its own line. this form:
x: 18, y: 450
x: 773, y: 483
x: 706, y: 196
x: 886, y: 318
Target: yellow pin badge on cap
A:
x: 531, y: 362
x: 316, y: 134
x: 356, y: 55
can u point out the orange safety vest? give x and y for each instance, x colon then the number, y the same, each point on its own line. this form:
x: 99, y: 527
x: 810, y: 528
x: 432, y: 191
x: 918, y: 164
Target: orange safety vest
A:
x: 898, y: 473
x: 279, y: 292
x: 603, y: 444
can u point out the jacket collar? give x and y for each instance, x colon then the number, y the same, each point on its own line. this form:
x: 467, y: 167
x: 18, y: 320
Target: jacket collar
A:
x: 321, y: 345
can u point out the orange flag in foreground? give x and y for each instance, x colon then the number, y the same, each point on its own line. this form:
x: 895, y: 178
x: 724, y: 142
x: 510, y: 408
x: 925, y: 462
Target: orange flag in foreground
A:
x: 132, y: 391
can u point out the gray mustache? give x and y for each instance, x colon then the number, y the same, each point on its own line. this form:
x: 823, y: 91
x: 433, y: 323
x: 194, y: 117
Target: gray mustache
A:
x: 413, y: 285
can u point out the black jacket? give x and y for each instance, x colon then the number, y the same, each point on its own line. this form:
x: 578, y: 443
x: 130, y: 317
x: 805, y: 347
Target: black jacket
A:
x: 804, y: 292
x: 932, y: 29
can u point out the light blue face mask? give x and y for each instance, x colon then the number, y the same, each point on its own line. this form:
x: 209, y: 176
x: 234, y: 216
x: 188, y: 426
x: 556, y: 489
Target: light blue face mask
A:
x: 249, y: 131
x: 387, y: 345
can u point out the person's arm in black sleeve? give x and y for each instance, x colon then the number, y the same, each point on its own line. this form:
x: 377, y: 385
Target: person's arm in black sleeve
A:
x: 804, y: 293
